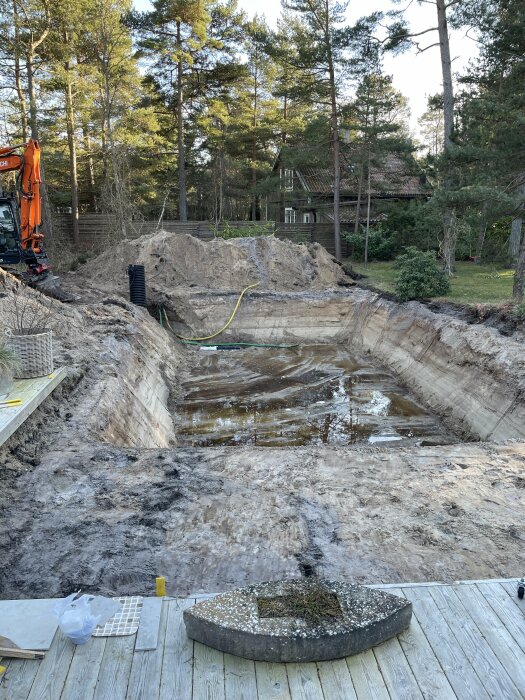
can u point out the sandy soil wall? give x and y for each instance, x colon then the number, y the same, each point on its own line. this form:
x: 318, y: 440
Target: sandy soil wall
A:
x: 470, y: 375
x: 122, y: 366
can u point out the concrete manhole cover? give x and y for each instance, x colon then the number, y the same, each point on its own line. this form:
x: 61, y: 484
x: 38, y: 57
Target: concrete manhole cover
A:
x: 298, y: 620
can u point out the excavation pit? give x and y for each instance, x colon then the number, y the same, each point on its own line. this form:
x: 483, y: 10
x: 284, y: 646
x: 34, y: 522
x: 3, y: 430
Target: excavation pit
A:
x: 298, y: 396
x: 106, y: 486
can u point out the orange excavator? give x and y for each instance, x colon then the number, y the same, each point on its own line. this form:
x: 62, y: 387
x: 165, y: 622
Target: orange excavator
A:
x: 21, y: 235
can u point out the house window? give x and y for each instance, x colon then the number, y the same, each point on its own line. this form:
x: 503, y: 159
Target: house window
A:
x: 286, y: 175
x: 290, y: 215
x: 307, y: 217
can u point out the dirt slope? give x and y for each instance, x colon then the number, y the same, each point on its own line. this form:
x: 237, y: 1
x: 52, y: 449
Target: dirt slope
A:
x: 180, y: 260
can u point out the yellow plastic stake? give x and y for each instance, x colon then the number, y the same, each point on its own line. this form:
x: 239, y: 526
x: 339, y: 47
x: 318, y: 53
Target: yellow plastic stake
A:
x: 11, y: 402
x: 3, y: 669
x: 160, y: 585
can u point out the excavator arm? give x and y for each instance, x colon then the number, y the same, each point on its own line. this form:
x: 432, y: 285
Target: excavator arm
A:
x: 27, y: 164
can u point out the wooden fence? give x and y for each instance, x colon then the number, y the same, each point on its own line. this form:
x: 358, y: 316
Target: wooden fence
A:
x: 99, y: 231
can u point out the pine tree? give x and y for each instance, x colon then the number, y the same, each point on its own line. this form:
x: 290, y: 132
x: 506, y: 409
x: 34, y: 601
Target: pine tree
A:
x: 400, y: 38
x: 322, y: 51
x: 377, y: 120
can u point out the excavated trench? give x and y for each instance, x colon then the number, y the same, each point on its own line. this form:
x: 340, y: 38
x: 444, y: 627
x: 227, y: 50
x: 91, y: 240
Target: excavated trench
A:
x: 386, y: 446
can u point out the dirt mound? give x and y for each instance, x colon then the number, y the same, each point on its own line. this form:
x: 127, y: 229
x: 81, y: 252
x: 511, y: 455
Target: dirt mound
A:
x: 180, y: 260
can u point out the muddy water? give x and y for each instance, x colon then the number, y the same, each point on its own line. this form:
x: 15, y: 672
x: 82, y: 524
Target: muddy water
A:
x: 299, y: 396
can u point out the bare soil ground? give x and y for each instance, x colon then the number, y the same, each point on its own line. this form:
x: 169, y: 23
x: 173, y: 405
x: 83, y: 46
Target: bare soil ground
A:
x: 96, y: 495
x: 109, y: 520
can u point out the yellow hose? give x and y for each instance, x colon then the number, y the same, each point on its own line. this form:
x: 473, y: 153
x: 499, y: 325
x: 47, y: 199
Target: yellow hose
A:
x: 214, y: 335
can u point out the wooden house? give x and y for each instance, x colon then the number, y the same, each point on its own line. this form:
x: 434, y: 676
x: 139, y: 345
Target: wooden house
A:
x: 304, y: 195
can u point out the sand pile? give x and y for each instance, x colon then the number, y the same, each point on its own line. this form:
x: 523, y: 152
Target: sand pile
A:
x: 180, y: 260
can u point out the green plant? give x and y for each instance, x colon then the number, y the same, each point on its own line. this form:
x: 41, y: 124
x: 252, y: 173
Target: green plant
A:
x: 9, y: 361
x: 380, y: 245
x: 419, y: 275
x: 518, y: 312
x: 249, y: 230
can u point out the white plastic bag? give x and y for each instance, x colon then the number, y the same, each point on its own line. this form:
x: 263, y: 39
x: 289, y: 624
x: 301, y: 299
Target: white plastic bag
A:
x: 75, y: 617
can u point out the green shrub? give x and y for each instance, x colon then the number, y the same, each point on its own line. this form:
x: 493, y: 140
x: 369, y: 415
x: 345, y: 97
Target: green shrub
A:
x: 227, y: 231
x: 419, y: 275
x: 381, y: 246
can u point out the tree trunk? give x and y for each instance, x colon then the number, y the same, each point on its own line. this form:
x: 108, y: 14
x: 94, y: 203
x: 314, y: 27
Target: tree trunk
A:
x: 358, y: 208
x: 70, y: 127
x: 446, y: 70
x: 517, y: 224
x: 33, y: 123
x: 183, y: 207
x: 449, y: 217
x: 481, y: 239
x: 91, y: 167
x: 519, y: 275
x: 448, y: 249
x: 335, y: 134
x: 18, y: 77
x: 254, y: 141
x: 369, y: 187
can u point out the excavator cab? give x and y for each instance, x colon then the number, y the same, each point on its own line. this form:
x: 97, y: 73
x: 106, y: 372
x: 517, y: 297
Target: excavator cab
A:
x: 10, y: 246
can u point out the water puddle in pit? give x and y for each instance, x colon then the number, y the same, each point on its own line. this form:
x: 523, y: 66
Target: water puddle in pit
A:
x: 309, y: 395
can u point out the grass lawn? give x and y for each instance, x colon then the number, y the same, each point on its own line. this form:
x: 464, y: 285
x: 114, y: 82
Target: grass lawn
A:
x: 472, y: 284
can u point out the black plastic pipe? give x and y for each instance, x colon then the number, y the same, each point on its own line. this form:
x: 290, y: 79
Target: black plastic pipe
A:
x: 137, y: 284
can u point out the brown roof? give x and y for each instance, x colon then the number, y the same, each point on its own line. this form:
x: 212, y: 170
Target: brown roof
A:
x: 392, y: 178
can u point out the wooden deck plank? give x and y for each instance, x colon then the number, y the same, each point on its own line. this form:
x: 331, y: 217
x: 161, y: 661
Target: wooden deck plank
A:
x: 32, y: 392
x: 239, y: 678
x: 208, y: 673
x: 112, y: 682
x: 494, y: 631
x: 485, y: 662
x: 506, y: 610
x: 83, y: 673
x: 431, y: 678
x: 482, y: 656
x: 366, y: 677
x: 304, y: 682
x: 149, y: 625
x: 177, y: 663
x: 460, y: 673
x: 396, y: 671
x: 52, y: 671
x: 512, y: 589
x: 272, y: 681
x: 17, y: 681
x: 146, y: 668
x: 336, y: 680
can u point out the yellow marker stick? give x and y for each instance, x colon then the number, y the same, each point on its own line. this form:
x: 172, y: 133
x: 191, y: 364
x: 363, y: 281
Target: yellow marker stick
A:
x: 160, y: 585
x: 3, y: 669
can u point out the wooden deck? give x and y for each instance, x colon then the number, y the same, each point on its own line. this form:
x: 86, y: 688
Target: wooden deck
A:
x: 31, y: 392
x: 465, y: 641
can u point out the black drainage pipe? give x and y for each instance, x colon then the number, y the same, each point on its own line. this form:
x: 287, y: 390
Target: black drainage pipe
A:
x: 137, y: 284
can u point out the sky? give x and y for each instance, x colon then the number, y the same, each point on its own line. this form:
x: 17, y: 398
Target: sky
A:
x: 415, y: 76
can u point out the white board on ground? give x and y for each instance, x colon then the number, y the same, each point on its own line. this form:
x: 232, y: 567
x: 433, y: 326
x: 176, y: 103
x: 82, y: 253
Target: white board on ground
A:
x: 148, y: 634
x: 28, y: 623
